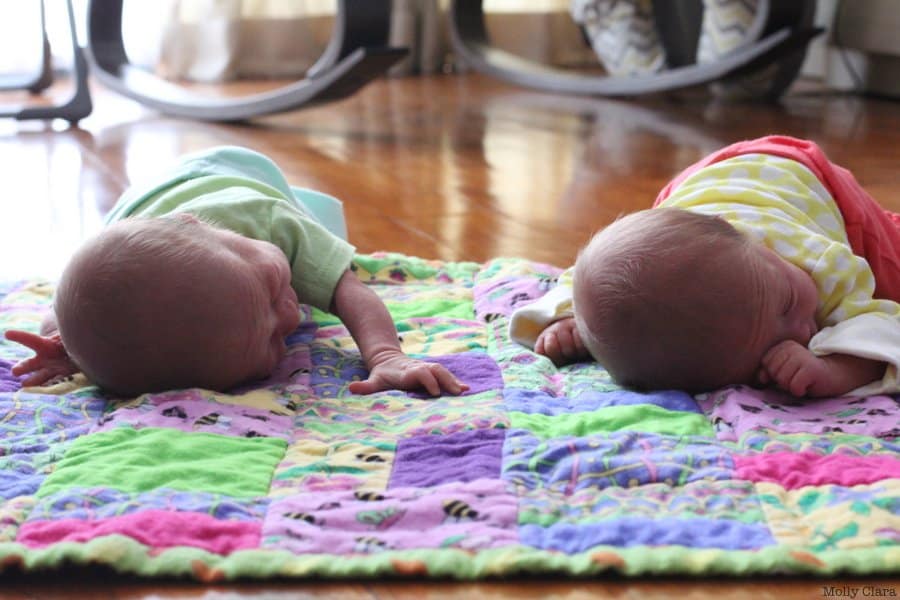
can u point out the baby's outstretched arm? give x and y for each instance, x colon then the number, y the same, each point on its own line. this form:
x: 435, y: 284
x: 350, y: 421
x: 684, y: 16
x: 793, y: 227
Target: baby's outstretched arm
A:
x: 368, y: 321
x: 561, y: 342
x: 49, y: 361
x: 793, y: 368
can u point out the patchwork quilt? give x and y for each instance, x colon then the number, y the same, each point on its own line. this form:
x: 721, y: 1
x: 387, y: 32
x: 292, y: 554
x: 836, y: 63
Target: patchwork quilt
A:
x: 535, y: 470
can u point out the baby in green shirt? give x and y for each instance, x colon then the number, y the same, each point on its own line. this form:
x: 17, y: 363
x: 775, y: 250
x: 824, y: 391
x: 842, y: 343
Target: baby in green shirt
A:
x: 197, y: 281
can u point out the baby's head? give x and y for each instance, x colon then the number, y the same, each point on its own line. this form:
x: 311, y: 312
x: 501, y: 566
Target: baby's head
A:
x: 671, y: 299
x: 156, y: 304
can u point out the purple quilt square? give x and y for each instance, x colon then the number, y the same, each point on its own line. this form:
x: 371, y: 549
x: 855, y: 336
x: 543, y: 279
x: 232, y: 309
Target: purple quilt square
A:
x: 476, y: 369
x: 430, y: 460
x: 8, y: 381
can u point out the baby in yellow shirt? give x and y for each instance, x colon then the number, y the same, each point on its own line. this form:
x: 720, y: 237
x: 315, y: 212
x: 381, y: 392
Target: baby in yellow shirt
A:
x: 763, y: 264
x: 669, y: 298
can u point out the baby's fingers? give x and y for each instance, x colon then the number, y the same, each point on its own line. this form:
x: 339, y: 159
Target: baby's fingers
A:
x: 777, y: 362
x: 40, y: 344
x: 553, y: 348
x: 788, y: 374
x: 565, y: 341
x: 37, y: 378
x: 539, y: 345
x: 20, y: 337
x: 26, y: 366
x: 546, y: 343
x: 448, y: 380
x: 366, y: 386
x: 422, y: 376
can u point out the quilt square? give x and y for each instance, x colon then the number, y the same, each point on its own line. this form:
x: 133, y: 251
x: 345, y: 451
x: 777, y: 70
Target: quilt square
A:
x: 473, y: 515
x: 623, y: 459
x: 389, y: 416
x: 476, y: 369
x: 315, y: 466
x: 13, y: 513
x: 35, y: 431
x: 738, y: 409
x: 635, y: 531
x: 546, y: 402
x: 141, y: 460
x: 159, y: 518
x: 721, y: 499
x: 8, y: 381
x: 97, y: 503
x: 636, y: 417
x: 793, y: 470
x: 199, y: 411
x: 762, y: 442
x: 429, y: 460
x: 833, y: 517
x: 157, y: 529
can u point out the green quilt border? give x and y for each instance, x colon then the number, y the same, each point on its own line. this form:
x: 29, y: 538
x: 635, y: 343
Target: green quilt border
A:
x: 126, y: 556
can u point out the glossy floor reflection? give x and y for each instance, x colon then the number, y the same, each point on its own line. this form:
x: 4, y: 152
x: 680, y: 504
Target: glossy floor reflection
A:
x: 451, y: 167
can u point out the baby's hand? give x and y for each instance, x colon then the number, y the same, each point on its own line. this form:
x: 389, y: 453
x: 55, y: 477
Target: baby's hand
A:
x: 561, y: 343
x: 50, y: 360
x: 793, y: 368
x: 395, y: 370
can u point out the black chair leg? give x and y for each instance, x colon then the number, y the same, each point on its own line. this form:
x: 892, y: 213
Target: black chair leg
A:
x: 356, y: 55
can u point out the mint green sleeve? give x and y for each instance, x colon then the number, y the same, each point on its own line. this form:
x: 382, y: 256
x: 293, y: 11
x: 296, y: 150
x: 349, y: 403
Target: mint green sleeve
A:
x: 318, y: 258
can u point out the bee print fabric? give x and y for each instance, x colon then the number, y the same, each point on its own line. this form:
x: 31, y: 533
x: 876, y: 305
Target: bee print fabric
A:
x: 534, y: 470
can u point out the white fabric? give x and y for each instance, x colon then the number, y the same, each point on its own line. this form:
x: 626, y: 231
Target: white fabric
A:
x: 529, y: 321
x: 874, y: 336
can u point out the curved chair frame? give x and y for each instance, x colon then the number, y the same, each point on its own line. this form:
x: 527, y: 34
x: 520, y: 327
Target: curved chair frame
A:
x: 472, y: 42
x: 79, y: 105
x: 355, y: 56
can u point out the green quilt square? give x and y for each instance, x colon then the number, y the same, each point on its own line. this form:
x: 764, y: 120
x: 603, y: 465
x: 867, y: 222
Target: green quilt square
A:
x: 140, y: 460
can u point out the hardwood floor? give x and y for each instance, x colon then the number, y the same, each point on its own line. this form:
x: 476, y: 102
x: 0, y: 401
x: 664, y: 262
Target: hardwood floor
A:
x: 448, y: 167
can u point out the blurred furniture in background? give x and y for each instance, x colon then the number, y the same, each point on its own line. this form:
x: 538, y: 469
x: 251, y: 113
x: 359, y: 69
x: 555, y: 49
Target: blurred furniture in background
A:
x: 79, y: 104
x: 869, y: 29
x: 43, y: 77
x: 325, y: 50
x: 355, y: 55
x: 784, y: 29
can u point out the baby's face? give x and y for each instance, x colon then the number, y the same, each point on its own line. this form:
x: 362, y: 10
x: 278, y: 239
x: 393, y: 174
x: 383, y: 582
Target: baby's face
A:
x: 786, y: 299
x: 257, y: 278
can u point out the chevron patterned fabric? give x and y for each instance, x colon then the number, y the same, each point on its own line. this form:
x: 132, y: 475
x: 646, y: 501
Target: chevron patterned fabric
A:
x: 623, y: 34
x: 727, y: 26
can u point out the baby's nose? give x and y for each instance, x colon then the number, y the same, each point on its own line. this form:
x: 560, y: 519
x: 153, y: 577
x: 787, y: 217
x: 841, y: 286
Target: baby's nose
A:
x: 290, y: 314
x: 806, y: 331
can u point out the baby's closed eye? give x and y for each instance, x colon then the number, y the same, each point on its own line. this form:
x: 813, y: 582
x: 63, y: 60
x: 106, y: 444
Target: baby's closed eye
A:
x: 790, y: 302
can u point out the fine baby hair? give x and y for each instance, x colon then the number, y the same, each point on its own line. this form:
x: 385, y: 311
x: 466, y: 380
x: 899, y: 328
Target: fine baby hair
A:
x: 138, y: 307
x: 661, y: 296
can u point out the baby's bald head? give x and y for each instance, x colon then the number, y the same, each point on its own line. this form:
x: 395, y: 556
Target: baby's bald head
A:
x: 661, y: 296
x: 138, y: 304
